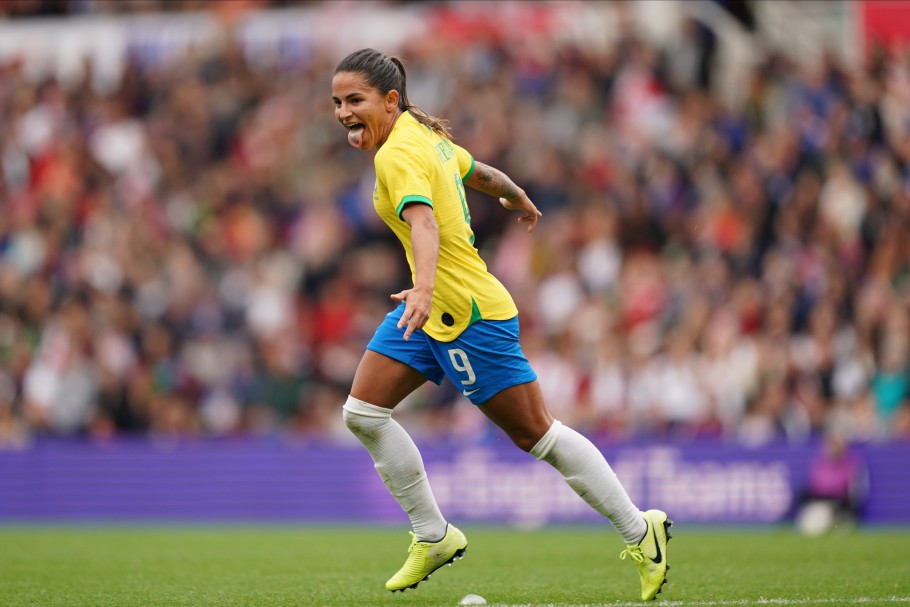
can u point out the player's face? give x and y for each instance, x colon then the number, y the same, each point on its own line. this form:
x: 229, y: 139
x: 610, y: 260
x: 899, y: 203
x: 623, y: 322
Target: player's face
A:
x: 367, y: 114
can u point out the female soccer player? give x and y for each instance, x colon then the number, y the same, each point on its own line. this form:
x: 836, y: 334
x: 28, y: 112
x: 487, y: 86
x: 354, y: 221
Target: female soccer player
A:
x: 457, y: 321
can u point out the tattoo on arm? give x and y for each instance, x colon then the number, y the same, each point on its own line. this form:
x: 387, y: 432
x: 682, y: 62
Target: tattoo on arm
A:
x: 493, y: 182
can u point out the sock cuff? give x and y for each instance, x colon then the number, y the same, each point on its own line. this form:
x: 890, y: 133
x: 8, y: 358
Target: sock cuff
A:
x: 546, y: 442
x: 356, y: 406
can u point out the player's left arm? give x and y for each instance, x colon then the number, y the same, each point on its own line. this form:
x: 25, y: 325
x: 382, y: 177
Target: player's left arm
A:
x: 493, y: 182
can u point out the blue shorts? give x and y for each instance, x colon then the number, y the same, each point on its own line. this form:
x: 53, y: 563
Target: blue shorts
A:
x: 484, y: 360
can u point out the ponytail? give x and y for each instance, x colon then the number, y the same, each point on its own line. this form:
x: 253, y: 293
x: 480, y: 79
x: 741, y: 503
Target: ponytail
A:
x: 435, y: 123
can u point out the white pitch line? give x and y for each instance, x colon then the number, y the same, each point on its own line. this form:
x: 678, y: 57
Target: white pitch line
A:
x: 737, y: 603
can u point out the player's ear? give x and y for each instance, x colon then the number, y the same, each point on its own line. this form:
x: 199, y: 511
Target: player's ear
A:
x: 391, y: 100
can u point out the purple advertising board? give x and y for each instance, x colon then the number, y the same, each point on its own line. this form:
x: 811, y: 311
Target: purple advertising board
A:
x: 292, y: 481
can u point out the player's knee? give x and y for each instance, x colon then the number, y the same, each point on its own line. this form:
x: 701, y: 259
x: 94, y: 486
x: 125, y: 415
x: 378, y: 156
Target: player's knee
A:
x: 351, y: 420
x: 532, y: 438
x: 542, y: 447
x: 525, y: 442
x: 529, y: 440
x: 360, y: 416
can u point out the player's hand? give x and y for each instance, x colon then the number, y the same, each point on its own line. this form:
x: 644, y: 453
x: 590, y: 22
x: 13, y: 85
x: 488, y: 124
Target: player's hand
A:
x: 417, y: 305
x: 523, y: 204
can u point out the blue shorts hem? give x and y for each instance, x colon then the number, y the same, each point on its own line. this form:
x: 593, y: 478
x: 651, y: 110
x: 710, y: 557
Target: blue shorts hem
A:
x: 503, y: 385
x: 394, y: 356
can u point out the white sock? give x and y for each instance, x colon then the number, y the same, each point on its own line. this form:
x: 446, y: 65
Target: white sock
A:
x: 399, y: 464
x: 588, y: 473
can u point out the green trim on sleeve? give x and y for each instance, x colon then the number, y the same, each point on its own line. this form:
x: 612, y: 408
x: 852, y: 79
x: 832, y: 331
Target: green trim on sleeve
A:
x: 409, y: 199
x: 471, y: 170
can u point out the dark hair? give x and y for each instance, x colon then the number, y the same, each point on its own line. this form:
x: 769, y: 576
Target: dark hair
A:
x: 385, y: 74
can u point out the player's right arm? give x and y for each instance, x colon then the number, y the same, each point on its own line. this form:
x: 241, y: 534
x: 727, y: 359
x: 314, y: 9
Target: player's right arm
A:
x: 493, y: 182
x: 425, y: 246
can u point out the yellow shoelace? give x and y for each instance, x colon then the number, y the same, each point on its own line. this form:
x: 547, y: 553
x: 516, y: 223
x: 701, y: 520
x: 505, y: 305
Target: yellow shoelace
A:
x: 415, y: 562
x: 633, y: 552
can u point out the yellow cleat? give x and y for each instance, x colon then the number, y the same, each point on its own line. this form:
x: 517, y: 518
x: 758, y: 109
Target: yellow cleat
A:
x: 650, y: 554
x: 426, y: 557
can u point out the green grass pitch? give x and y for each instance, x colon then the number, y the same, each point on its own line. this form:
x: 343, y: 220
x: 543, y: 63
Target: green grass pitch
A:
x: 99, y: 566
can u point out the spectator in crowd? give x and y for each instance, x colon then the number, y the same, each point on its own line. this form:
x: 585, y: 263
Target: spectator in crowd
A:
x: 167, y: 248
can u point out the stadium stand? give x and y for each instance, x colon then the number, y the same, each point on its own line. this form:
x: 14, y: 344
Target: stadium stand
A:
x: 187, y: 246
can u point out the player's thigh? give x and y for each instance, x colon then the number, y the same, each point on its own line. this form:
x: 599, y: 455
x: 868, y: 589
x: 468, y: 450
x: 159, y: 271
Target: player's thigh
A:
x: 392, y: 368
x: 521, y: 413
x: 384, y: 381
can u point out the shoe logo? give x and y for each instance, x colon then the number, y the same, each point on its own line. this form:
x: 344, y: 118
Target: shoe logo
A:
x: 469, y: 393
x: 659, y: 557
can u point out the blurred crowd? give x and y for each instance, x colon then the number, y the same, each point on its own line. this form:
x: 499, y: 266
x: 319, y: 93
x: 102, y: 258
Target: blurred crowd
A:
x: 196, y: 254
x: 62, y: 8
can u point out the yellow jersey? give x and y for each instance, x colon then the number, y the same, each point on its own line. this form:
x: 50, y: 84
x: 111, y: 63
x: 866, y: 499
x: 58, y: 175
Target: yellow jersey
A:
x: 418, y: 165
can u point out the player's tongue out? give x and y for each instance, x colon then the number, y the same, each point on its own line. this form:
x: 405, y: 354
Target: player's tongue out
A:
x: 355, y: 135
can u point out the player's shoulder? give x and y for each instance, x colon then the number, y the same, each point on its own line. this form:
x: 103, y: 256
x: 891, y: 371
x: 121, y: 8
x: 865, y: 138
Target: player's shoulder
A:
x: 409, y: 142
